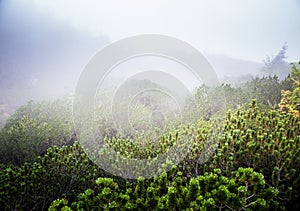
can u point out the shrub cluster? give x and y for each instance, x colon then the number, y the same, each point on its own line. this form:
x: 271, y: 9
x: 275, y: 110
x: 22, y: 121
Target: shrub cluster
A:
x: 255, y: 166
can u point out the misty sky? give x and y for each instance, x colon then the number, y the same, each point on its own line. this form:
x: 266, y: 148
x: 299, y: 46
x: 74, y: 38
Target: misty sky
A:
x: 44, y: 45
x: 247, y: 29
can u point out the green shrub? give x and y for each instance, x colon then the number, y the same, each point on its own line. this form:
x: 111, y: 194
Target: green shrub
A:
x: 246, y: 189
x: 63, y: 172
x: 33, y: 129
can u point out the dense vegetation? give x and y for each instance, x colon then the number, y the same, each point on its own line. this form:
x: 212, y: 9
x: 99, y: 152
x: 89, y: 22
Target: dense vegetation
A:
x: 255, y: 165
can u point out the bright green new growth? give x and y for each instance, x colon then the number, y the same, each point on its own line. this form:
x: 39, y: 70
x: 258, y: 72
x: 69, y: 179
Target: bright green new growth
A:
x: 255, y: 165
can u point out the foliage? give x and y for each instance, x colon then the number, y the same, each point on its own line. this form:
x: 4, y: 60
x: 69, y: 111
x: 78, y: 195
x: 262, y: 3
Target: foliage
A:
x: 207, y: 101
x: 253, y: 163
x: 265, y: 90
x: 246, y: 189
x: 264, y: 144
x: 276, y: 65
x: 33, y: 128
x: 266, y: 141
x: 61, y: 172
x: 290, y: 101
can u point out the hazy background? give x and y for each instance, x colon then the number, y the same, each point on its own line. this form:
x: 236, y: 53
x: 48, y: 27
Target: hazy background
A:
x: 44, y: 45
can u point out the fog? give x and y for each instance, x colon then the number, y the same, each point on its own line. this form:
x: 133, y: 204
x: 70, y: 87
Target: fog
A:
x: 42, y: 55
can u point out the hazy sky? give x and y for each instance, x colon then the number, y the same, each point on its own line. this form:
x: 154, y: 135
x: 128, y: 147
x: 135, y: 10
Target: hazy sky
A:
x: 45, y: 44
x: 246, y: 29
